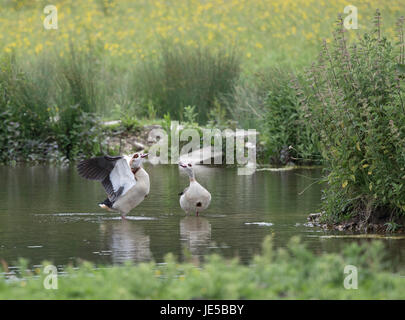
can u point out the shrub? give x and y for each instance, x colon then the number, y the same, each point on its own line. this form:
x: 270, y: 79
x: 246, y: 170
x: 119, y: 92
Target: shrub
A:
x: 353, y: 99
x: 186, y: 76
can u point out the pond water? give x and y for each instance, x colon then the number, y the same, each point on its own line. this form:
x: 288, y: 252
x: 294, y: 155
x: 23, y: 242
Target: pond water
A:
x: 50, y: 213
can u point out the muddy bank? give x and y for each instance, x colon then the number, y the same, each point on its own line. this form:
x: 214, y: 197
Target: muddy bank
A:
x: 379, y: 223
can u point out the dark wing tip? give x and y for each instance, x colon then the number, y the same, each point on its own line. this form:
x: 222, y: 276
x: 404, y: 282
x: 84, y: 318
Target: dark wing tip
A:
x: 87, y: 169
x: 96, y: 168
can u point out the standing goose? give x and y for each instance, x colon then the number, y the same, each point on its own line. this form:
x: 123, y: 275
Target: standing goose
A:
x: 125, y: 181
x: 195, y: 198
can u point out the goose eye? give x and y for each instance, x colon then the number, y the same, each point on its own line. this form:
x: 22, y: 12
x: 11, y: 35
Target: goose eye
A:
x: 189, y: 164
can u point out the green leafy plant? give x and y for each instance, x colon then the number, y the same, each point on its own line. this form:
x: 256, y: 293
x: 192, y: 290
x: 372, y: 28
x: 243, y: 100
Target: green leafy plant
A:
x: 353, y: 100
x: 190, y: 115
x: 293, y: 272
x: 392, y: 226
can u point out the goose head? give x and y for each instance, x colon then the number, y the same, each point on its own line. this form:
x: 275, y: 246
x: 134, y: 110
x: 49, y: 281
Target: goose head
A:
x: 188, y: 168
x: 137, y: 160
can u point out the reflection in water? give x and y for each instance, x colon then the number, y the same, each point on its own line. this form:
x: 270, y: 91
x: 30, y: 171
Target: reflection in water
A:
x: 128, y: 242
x: 195, y: 233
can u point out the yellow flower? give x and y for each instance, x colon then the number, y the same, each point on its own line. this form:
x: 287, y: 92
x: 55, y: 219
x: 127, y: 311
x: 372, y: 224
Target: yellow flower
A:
x: 38, y: 48
x: 210, y: 36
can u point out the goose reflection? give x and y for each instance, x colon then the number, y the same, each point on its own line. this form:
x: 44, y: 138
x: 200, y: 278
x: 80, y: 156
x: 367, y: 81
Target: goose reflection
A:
x: 195, y: 233
x: 129, y: 243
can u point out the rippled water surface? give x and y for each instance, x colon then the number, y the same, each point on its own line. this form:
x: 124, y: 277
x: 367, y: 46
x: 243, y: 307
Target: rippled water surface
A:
x: 50, y: 213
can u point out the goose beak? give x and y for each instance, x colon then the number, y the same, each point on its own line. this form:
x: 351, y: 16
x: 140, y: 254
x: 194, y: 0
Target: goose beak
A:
x: 144, y: 155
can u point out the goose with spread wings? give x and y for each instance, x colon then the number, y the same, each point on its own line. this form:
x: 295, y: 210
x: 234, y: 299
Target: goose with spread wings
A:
x: 123, y: 178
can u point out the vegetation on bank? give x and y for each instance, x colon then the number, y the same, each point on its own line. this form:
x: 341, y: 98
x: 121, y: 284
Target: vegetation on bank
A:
x: 354, y: 100
x: 289, y: 273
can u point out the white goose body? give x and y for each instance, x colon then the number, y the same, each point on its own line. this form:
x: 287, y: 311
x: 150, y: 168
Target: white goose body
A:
x: 134, y: 196
x: 124, y: 180
x: 195, y: 198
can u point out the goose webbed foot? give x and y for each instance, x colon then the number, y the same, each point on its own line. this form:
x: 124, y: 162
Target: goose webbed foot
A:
x: 106, y: 204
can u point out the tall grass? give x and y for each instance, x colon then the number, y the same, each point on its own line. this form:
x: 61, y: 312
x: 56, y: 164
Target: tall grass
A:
x: 23, y: 111
x: 269, y: 102
x: 186, y: 76
x: 51, y: 97
x: 47, y: 101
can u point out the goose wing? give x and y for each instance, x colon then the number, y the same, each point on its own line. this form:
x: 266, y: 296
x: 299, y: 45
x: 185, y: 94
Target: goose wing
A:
x: 113, y: 172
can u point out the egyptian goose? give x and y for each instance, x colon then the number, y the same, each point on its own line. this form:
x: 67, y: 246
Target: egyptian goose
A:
x: 195, y: 198
x: 125, y: 181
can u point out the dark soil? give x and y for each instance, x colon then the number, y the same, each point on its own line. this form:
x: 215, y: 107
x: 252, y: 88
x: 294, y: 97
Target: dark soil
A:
x: 378, y: 222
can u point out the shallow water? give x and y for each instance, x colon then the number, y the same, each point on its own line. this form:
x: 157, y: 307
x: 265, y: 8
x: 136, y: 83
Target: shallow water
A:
x: 50, y: 213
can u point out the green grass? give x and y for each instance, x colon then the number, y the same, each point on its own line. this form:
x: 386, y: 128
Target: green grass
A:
x: 290, y: 273
x: 184, y: 76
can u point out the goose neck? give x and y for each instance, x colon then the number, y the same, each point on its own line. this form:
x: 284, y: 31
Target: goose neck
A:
x: 191, y: 175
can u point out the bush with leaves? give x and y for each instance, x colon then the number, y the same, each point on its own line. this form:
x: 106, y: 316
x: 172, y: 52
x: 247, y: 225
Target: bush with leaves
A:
x: 354, y: 99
